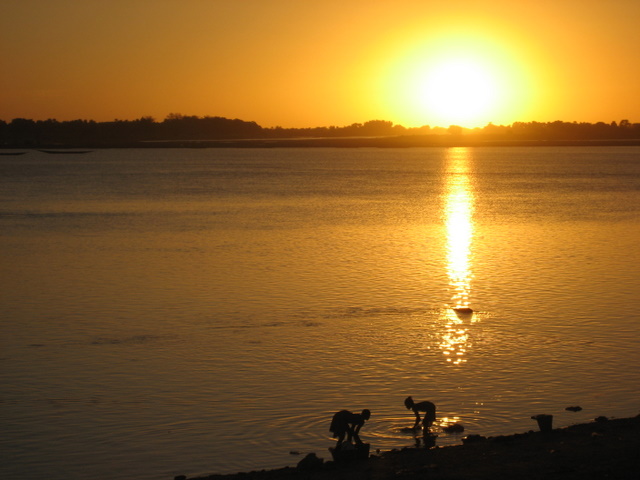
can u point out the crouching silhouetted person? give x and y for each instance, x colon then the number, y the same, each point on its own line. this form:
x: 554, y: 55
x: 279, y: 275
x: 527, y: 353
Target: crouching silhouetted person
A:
x: 345, y: 423
x: 428, y: 408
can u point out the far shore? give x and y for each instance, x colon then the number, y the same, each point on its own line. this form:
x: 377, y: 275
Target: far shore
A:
x: 408, y: 141
x: 602, y: 449
x: 405, y: 141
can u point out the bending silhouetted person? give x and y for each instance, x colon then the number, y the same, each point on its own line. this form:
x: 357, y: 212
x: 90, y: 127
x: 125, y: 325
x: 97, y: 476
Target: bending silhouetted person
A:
x: 428, y: 408
x: 345, y: 423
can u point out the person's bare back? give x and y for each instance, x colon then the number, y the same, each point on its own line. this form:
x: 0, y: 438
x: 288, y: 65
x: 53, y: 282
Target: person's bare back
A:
x: 427, y: 407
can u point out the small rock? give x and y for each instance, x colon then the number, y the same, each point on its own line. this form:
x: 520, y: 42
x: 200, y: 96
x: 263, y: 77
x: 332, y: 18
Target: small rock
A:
x: 473, y: 439
x: 545, y: 422
x: 574, y: 409
x: 310, y: 462
x: 601, y: 419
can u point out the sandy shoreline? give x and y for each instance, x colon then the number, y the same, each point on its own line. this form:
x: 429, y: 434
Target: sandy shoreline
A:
x: 603, y: 449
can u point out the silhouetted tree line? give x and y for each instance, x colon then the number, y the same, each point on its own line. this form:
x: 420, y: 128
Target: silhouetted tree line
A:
x: 26, y: 133
x: 565, y: 131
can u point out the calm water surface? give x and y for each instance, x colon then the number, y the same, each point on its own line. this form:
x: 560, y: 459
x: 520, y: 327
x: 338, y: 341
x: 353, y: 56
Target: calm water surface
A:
x: 200, y: 311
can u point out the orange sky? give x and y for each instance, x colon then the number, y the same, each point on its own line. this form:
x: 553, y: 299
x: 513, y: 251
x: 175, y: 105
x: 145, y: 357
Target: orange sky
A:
x: 298, y: 63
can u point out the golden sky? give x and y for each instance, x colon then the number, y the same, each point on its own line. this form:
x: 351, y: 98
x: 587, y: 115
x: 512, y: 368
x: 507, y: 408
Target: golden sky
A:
x: 299, y: 63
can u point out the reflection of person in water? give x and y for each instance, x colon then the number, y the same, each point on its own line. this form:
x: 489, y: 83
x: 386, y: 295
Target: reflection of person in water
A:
x: 428, y: 408
x: 426, y: 440
x: 346, y: 423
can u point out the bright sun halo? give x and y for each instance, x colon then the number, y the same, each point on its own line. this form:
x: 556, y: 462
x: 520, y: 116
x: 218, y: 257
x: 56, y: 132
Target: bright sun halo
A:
x: 465, y: 80
x: 458, y: 91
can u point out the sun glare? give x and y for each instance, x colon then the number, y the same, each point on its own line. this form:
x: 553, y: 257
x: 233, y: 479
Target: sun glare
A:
x: 460, y: 79
x: 460, y: 91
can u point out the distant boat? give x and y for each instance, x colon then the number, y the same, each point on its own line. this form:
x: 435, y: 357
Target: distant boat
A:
x: 12, y: 153
x: 65, y: 151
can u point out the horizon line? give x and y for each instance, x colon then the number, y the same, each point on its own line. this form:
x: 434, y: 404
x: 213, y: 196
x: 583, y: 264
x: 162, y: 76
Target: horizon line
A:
x: 177, y: 116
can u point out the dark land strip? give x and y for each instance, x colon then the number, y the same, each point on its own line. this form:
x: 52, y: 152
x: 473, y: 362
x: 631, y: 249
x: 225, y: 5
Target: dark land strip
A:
x: 603, y: 449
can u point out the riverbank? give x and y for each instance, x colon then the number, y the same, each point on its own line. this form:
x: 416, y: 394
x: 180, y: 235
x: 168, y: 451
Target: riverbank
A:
x: 603, y: 449
x: 405, y: 141
x: 417, y: 141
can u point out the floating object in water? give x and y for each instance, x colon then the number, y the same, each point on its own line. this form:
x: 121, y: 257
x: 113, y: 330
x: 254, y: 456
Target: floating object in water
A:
x: 573, y: 409
x: 455, y: 428
x: 463, y: 309
x: 65, y: 151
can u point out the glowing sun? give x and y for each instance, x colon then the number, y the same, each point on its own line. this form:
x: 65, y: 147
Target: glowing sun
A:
x: 458, y: 91
x: 465, y: 80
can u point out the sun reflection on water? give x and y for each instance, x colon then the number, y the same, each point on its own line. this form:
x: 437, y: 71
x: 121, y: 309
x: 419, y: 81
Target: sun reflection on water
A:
x: 458, y: 211
x: 454, y: 338
x: 458, y: 217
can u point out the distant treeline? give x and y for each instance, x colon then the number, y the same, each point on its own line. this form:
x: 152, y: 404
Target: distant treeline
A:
x: 176, y: 128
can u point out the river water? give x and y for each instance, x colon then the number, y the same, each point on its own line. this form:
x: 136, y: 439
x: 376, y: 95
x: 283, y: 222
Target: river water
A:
x: 194, y: 311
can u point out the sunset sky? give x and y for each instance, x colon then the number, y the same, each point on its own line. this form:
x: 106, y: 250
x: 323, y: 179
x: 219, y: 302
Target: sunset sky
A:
x: 298, y: 63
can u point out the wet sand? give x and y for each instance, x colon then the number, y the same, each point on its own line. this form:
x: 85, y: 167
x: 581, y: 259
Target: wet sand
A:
x: 603, y: 449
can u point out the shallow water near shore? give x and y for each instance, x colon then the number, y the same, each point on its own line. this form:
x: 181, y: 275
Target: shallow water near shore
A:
x: 195, y: 311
